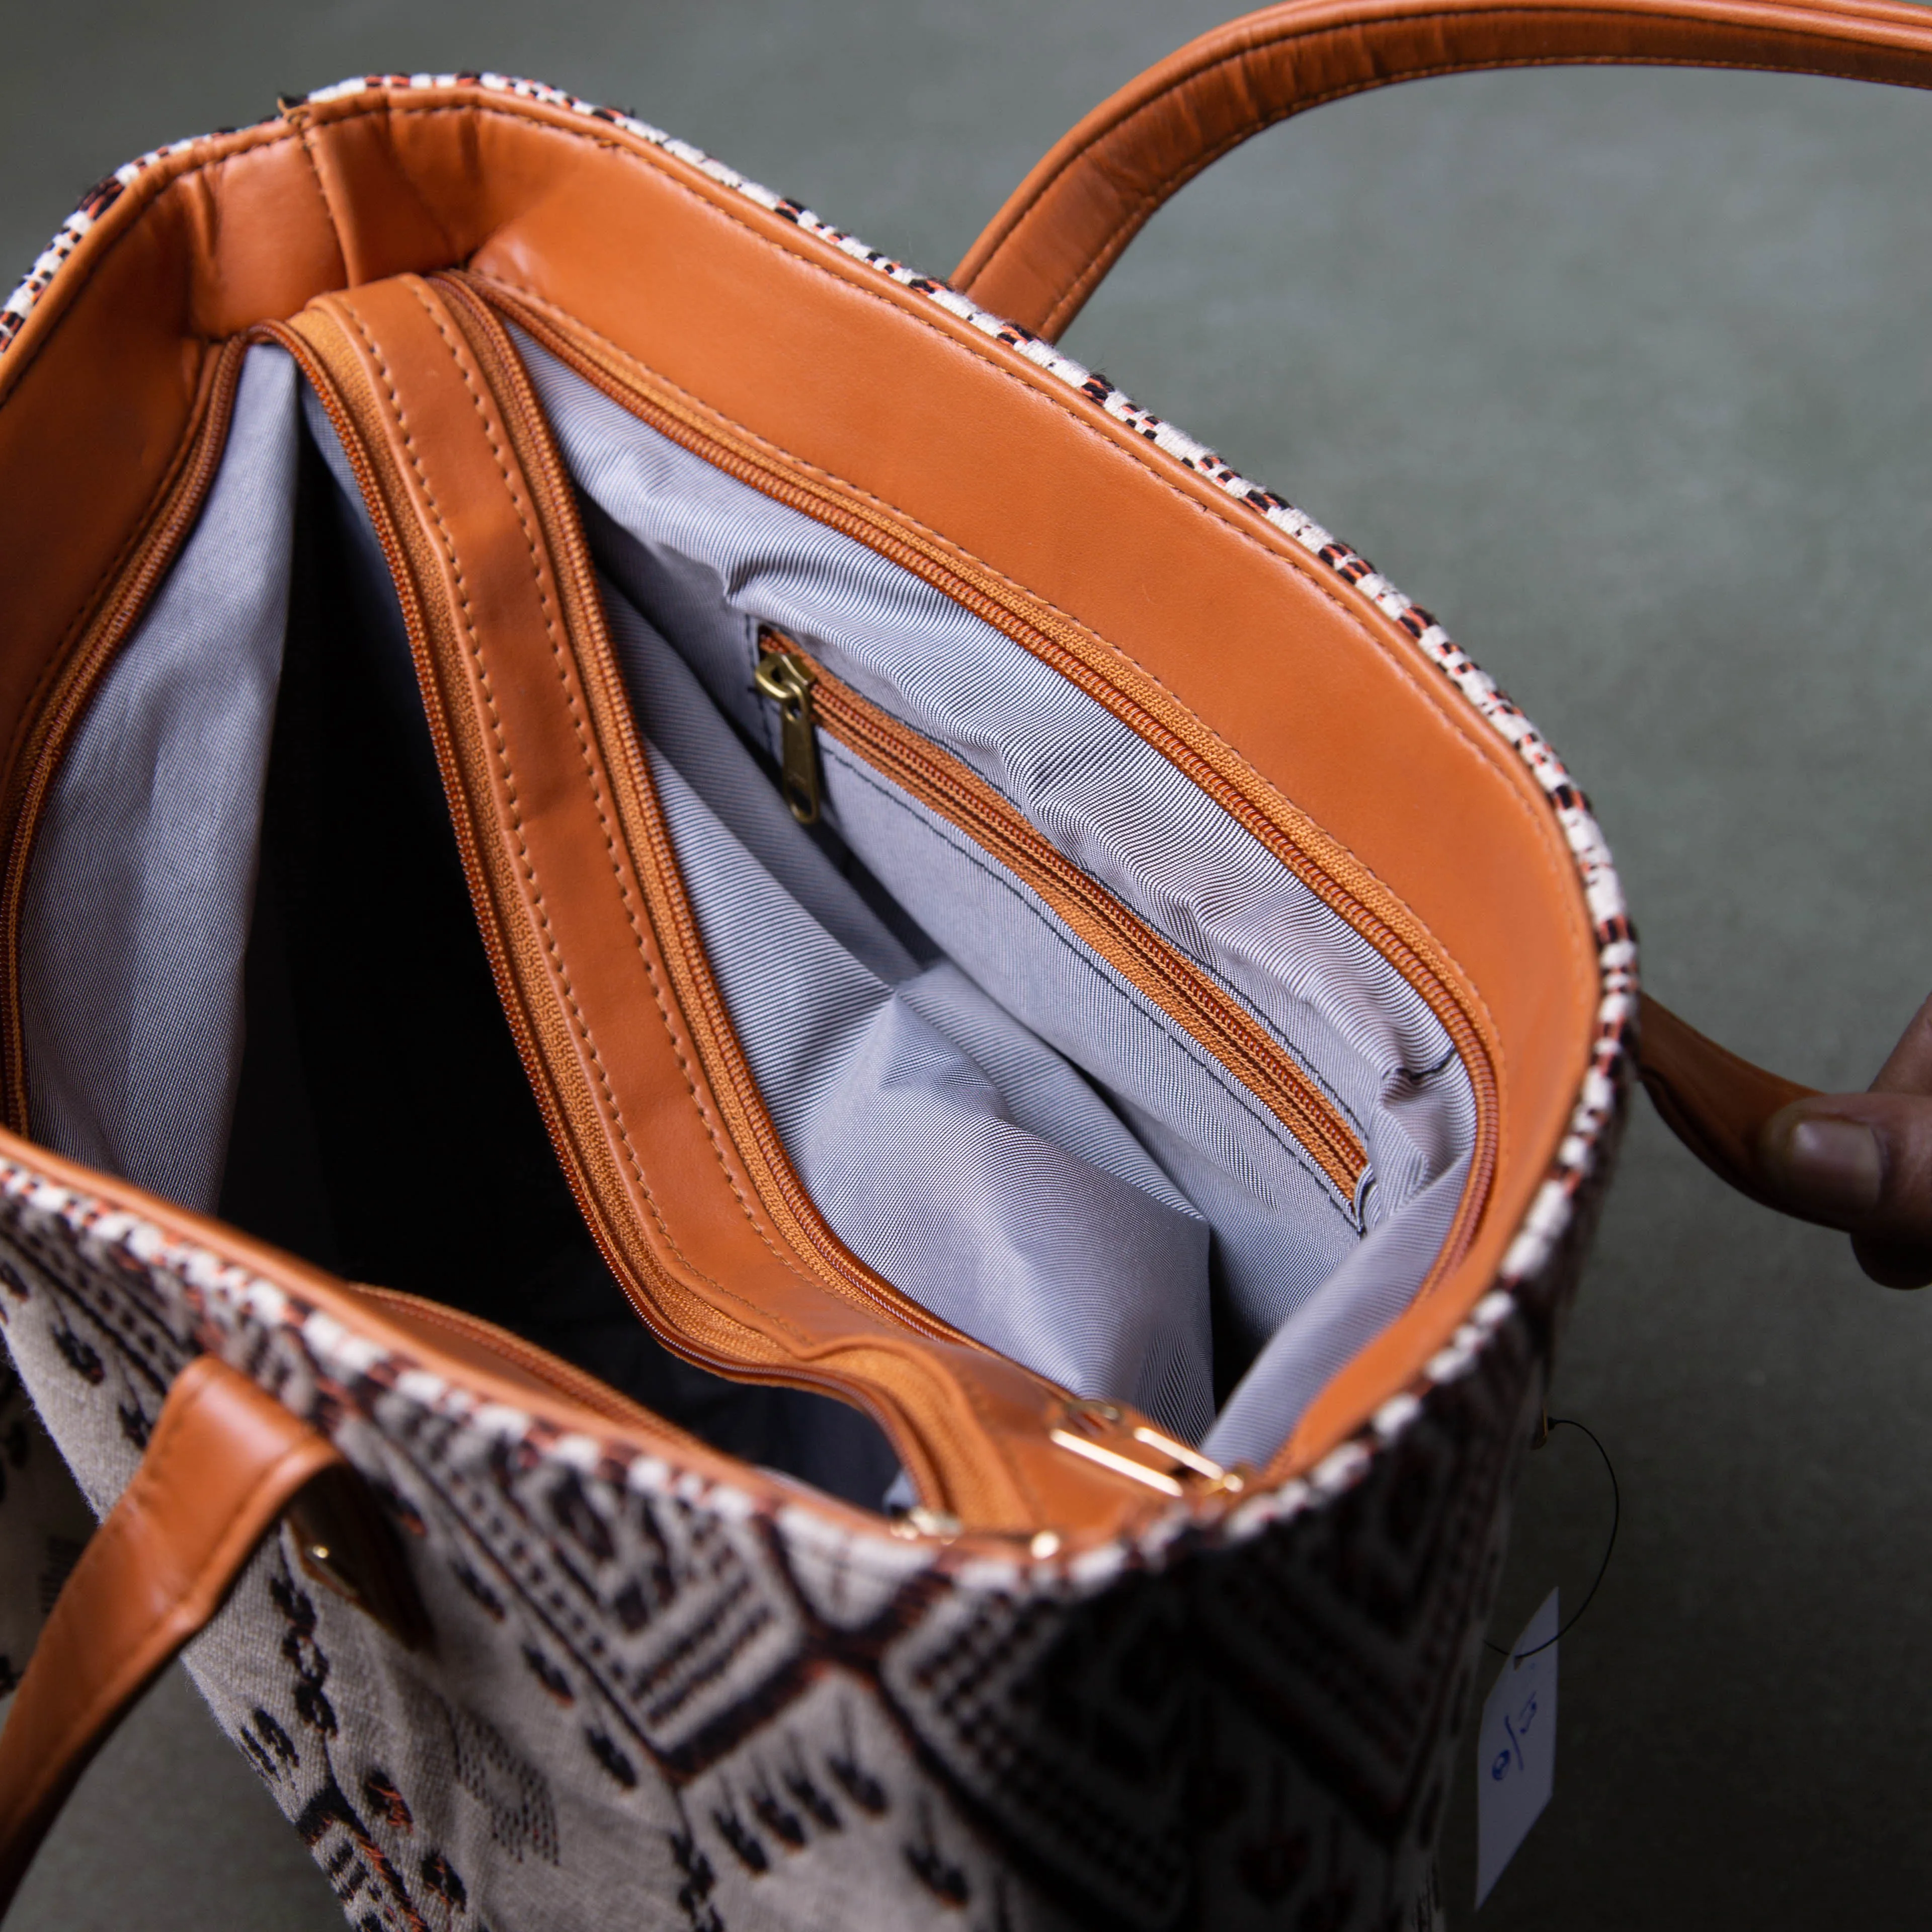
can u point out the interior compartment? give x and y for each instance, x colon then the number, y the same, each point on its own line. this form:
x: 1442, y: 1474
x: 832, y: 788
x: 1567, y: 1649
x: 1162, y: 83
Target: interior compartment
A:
x: 273, y: 1001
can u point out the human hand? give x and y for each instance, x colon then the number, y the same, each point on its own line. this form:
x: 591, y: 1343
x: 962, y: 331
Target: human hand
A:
x: 1863, y: 1162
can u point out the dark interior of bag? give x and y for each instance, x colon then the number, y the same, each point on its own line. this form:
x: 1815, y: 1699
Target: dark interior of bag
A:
x: 277, y: 1006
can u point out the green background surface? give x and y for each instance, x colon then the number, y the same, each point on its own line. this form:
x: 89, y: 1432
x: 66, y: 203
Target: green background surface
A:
x: 1623, y: 374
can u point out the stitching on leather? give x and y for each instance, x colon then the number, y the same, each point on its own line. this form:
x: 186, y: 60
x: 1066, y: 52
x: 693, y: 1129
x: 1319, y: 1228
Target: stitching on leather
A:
x: 579, y: 728
x: 1149, y: 201
x: 322, y: 191
x: 142, y: 528
x: 62, y: 659
x: 435, y: 509
x: 138, y: 200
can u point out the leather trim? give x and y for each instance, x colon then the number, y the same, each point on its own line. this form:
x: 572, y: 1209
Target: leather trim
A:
x: 1186, y: 594
x: 1052, y: 244
x: 223, y: 1461
x: 73, y: 672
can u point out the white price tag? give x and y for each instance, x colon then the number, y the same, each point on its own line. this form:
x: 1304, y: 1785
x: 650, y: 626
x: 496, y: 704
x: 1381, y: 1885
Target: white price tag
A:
x: 1516, y: 1748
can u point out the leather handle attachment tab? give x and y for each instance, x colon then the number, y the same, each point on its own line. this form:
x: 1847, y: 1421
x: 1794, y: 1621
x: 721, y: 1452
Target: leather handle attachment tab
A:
x: 224, y: 1461
x: 1071, y: 218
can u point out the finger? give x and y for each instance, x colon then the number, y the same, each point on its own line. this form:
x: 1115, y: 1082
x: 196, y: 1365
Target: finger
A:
x: 1891, y: 1265
x: 1909, y: 1069
x: 1863, y: 1163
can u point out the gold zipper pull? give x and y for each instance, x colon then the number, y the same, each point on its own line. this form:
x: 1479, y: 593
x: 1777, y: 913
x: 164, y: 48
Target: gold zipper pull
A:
x: 787, y: 679
x: 1102, y: 1432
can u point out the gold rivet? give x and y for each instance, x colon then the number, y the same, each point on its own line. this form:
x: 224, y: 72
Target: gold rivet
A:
x: 1045, y: 1543
x: 318, y: 1552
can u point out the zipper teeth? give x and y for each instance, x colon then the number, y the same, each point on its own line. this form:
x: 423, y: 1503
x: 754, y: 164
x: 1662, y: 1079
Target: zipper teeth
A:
x: 1228, y: 1034
x: 183, y: 496
x: 824, y: 1250
x: 885, y: 540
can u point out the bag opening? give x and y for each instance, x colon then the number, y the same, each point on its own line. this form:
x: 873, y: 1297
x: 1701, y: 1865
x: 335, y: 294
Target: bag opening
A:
x: 273, y: 1003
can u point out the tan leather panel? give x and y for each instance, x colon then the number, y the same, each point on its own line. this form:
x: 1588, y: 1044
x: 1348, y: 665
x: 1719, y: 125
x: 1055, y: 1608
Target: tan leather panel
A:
x: 1049, y: 247
x: 98, y: 390
x: 57, y: 706
x: 595, y: 952
x: 85, y: 448
x: 224, y: 1461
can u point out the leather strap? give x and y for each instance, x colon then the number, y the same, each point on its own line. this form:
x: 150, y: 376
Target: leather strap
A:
x: 1071, y: 218
x: 1714, y: 1102
x: 223, y: 1461
x: 1067, y: 223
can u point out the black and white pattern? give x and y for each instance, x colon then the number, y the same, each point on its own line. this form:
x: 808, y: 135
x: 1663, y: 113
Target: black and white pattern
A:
x: 647, y: 1695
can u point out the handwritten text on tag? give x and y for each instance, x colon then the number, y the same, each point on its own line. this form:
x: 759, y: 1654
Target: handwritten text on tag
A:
x: 1516, y: 1748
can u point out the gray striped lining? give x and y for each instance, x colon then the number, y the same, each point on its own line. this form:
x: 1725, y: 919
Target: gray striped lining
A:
x: 985, y: 1111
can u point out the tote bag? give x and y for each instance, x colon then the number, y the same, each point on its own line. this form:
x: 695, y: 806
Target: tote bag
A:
x: 796, y: 1126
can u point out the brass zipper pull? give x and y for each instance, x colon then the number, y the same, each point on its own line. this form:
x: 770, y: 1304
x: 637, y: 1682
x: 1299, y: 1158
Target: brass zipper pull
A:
x: 1102, y: 1432
x: 786, y: 678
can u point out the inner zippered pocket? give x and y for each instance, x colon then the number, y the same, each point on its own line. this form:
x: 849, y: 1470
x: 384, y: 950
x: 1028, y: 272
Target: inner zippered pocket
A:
x: 810, y: 699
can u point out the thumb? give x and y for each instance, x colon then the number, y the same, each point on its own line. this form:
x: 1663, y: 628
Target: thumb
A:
x: 1863, y: 1163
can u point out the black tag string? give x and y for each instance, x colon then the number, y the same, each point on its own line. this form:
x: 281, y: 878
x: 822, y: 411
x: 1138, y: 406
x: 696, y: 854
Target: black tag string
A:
x: 1616, y: 1515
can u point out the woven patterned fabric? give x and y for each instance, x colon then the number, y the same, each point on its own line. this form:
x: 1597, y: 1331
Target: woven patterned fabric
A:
x: 645, y: 1696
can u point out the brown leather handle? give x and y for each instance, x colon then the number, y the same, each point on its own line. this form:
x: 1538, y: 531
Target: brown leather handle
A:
x: 224, y: 1461
x: 1071, y: 218
x: 1715, y: 1103
x: 1067, y: 223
